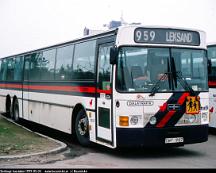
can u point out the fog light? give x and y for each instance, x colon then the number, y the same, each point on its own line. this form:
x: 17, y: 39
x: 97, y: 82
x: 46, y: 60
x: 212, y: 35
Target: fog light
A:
x: 134, y: 120
x: 123, y: 121
x: 192, y: 118
x: 153, y: 120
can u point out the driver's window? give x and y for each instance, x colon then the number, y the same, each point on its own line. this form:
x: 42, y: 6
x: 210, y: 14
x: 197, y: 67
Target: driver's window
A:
x: 104, y: 67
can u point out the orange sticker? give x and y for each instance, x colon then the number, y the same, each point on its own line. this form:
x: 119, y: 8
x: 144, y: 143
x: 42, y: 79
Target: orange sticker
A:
x: 192, y: 105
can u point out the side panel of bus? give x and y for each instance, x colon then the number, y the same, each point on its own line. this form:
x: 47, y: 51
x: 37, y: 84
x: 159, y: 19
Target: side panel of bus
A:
x: 39, y: 105
x: 212, y: 107
x: 51, y: 90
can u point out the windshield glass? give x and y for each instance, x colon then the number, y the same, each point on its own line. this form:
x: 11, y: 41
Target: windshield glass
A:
x: 140, y: 68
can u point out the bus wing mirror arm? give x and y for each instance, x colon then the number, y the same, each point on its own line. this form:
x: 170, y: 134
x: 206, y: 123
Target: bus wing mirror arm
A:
x: 113, y: 55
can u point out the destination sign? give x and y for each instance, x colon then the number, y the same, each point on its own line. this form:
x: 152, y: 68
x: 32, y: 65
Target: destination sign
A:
x: 166, y: 36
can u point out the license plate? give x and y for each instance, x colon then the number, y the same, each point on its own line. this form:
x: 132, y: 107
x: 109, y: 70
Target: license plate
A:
x: 174, y: 140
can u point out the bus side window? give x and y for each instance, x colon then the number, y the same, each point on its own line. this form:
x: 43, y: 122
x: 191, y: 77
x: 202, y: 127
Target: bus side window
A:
x: 27, y: 60
x: 84, y: 60
x: 18, y: 68
x: 63, y: 70
x: 35, y: 66
x: 10, y: 69
x: 104, y: 67
x: 48, y: 65
x: 0, y: 69
x: 4, y: 69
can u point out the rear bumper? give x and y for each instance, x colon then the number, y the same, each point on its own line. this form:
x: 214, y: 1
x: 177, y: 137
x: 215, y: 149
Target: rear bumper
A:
x: 155, y: 137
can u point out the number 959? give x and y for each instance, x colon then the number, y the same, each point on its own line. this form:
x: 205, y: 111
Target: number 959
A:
x: 145, y: 35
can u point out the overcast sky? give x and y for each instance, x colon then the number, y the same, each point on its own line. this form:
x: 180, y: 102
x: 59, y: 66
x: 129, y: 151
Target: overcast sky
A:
x: 31, y: 24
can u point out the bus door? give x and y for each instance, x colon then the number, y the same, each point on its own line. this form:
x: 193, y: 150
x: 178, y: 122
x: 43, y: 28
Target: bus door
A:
x: 104, y: 119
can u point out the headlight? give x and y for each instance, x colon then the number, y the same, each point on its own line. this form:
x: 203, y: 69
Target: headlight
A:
x: 153, y: 120
x: 134, y: 120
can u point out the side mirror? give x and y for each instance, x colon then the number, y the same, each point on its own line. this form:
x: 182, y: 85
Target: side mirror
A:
x: 113, y: 55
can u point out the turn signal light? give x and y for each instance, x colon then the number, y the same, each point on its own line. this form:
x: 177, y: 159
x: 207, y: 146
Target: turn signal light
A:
x: 123, y: 121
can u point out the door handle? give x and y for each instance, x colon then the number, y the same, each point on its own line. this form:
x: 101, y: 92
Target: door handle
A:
x: 103, y: 103
x: 108, y: 97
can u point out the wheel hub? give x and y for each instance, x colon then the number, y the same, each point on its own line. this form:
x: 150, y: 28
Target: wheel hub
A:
x: 83, y: 126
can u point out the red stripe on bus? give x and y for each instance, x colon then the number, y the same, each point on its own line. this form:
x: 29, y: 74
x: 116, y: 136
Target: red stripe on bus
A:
x: 11, y: 86
x: 167, y: 117
x: 212, y: 83
x: 60, y: 88
x: 56, y: 88
x: 182, y: 98
x: 163, y: 122
x: 104, y: 91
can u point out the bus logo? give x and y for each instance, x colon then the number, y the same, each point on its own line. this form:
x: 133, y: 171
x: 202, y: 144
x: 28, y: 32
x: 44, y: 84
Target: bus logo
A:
x: 173, y: 107
x: 139, y: 103
x: 192, y: 105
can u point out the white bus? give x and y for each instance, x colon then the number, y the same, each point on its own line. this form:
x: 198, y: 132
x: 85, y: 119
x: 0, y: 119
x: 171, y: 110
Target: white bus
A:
x: 128, y: 87
x: 212, y: 83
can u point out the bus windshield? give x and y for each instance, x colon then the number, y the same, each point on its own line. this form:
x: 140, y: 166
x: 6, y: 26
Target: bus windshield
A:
x: 140, y: 68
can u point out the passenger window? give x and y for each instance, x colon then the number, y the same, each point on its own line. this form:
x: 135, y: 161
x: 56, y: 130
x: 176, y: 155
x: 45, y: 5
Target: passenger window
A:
x: 27, y: 63
x: 4, y: 69
x: 84, y: 60
x: 64, y: 63
x: 0, y: 69
x: 18, y: 68
x: 35, y: 66
x: 48, y: 65
x: 10, y: 69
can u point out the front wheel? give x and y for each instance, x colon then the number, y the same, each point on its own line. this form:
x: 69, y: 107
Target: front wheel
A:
x: 81, y: 128
x: 8, y: 108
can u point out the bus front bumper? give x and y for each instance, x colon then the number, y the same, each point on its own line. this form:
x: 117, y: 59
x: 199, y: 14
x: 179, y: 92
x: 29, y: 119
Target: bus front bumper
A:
x: 155, y: 137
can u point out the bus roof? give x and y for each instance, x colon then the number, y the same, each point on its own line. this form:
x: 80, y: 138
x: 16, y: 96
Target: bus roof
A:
x: 211, y: 44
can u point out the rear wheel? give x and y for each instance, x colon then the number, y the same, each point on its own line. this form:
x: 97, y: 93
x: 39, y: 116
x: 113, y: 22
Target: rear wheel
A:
x: 81, y: 128
x: 15, y: 111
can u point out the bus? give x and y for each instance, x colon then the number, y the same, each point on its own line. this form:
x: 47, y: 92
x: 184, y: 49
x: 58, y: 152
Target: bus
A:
x: 211, y: 49
x: 132, y: 86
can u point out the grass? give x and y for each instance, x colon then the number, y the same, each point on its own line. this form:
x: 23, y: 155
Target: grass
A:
x: 16, y: 140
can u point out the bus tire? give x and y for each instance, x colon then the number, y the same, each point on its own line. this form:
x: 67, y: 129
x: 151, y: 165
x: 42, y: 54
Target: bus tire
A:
x: 15, y: 111
x: 8, y: 107
x: 81, y: 128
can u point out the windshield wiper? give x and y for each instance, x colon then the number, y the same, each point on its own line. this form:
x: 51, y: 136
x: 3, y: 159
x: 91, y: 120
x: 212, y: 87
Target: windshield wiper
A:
x: 177, y: 75
x: 184, y: 83
x: 173, y: 76
x: 163, y: 78
x: 156, y: 87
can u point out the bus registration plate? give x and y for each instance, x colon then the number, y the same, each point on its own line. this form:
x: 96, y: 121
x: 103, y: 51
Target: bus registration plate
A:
x: 174, y: 140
